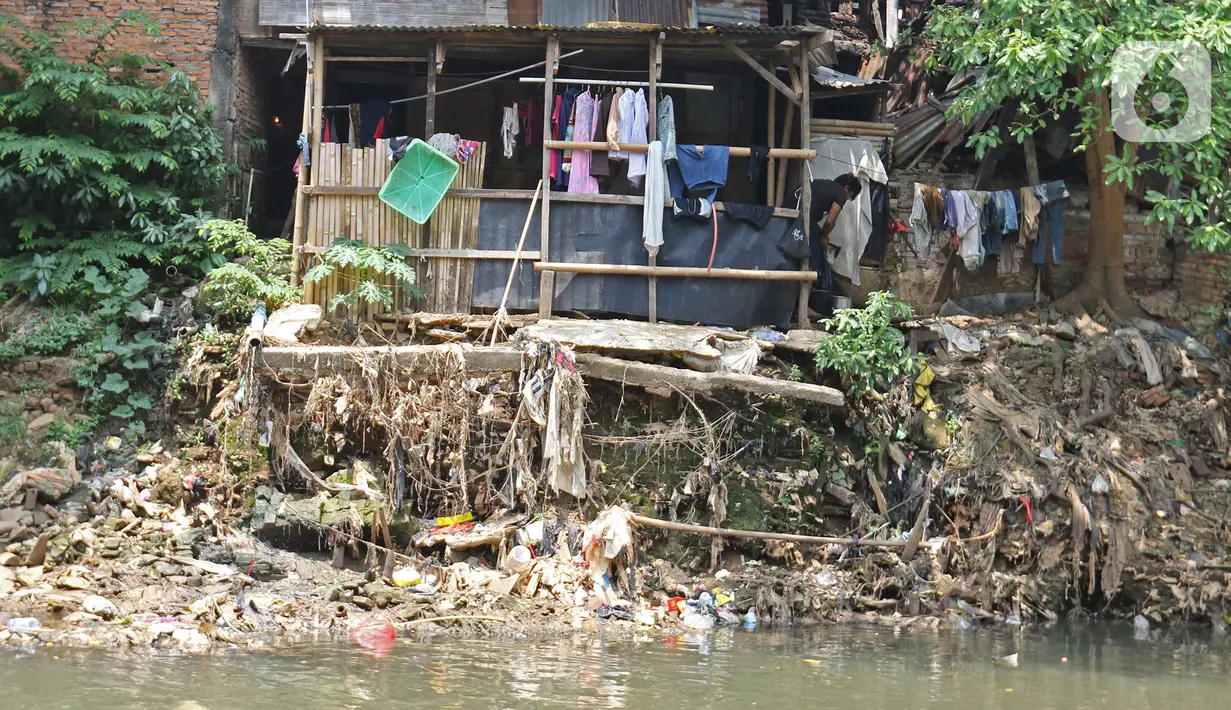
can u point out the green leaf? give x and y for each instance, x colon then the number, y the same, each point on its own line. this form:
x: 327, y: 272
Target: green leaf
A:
x: 139, y: 400
x: 137, y: 363
x: 114, y: 383
x: 123, y: 412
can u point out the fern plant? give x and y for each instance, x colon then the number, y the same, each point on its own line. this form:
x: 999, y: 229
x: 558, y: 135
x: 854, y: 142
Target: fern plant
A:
x: 363, y: 267
x: 256, y: 273
x: 864, y: 348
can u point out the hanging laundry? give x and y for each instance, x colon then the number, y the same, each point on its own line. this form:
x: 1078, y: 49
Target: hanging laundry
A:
x: 305, y: 151
x: 666, y: 126
x: 566, y: 161
x: 836, y: 156
x: 600, y: 162
x: 641, y: 127
x: 992, y: 220
x: 613, y: 124
x: 626, y: 111
x: 702, y: 172
x: 1010, y: 259
x: 580, y: 180
x: 371, y: 114
x: 758, y: 216
x: 380, y: 129
x: 553, y: 169
x: 326, y: 133
x: 1009, y: 204
x: 397, y: 147
x: 355, y: 133
x: 756, y: 162
x: 445, y: 143
x: 696, y: 208
x: 465, y: 149
x: 1051, y: 197
x: 966, y: 225
x: 1029, y: 215
x: 949, y: 221
x: 510, y: 127
x: 655, y: 192
x: 922, y: 231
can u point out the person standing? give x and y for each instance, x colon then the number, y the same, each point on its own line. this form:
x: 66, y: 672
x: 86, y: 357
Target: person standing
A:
x: 828, y: 199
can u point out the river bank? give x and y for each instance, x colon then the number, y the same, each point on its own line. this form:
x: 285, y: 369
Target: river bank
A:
x: 1040, y: 467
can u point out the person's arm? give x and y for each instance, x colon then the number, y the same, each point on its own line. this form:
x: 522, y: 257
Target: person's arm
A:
x: 830, y: 220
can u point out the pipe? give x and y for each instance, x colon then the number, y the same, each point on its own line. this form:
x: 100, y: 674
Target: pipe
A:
x: 255, y: 334
x: 681, y: 271
x: 172, y: 271
x: 185, y: 331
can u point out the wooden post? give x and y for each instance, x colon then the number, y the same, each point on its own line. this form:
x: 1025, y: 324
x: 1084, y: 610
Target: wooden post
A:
x: 771, y: 163
x: 805, y: 182
x: 301, y: 200
x: 1042, y: 282
x: 547, y: 279
x: 430, y: 120
x: 655, y: 67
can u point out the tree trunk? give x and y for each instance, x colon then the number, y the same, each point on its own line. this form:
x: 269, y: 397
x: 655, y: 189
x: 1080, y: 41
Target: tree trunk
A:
x: 1104, y: 274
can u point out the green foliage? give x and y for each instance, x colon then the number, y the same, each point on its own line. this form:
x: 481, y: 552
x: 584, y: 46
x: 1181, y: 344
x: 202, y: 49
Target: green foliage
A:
x: 74, y: 434
x: 864, y: 348
x: 101, y: 169
x: 365, y: 267
x: 795, y: 374
x: 12, y: 425
x: 48, y: 333
x: 1045, y: 57
x: 257, y: 272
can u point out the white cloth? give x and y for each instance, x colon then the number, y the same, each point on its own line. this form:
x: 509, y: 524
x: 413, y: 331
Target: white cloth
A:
x: 967, y: 212
x: 641, y: 128
x: 627, y: 104
x: 835, y: 156
x: 655, y: 192
x: 509, y: 128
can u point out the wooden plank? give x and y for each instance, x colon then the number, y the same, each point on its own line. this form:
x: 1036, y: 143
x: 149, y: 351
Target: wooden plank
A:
x: 402, y: 60
x: 697, y: 272
x: 840, y: 123
x: 783, y: 168
x: 805, y: 182
x: 765, y: 73
x: 547, y: 280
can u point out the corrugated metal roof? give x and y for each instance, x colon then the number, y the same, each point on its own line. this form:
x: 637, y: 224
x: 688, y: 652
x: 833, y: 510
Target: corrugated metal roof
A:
x: 576, y: 13
x: 669, y: 13
x: 834, y: 79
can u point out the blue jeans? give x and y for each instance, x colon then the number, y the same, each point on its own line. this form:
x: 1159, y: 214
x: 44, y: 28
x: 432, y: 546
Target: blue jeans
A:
x: 1051, y: 227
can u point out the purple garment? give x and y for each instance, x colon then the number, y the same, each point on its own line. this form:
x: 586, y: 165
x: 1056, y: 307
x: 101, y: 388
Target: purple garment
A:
x: 949, y: 221
x: 580, y: 180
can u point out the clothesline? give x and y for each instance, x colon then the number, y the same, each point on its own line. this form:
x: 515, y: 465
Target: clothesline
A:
x: 473, y: 83
x: 614, y: 82
x: 737, y: 152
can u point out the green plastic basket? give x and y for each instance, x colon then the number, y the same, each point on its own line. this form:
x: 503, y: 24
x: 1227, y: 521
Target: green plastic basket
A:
x: 419, y: 181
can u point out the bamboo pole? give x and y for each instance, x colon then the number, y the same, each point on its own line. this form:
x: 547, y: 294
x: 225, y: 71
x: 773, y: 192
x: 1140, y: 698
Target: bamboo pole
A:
x: 759, y: 535
x: 501, y: 313
x: 318, y: 112
x: 838, y: 123
x: 655, y: 55
x: 681, y: 271
x: 629, y: 84
x: 547, y: 280
x: 301, y: 200
x: 805, y: 177
x: 735, y: 151
x: 771, y: 142
x: 783, y: 169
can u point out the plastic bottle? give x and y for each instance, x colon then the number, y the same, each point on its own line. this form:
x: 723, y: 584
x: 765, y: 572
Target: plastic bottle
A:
x: 25, y: 623
x: 519, y: 559
x: 750, y: 619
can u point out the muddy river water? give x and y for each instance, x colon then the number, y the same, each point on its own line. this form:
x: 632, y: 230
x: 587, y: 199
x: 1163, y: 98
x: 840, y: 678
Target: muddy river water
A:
x: 1097, y: 666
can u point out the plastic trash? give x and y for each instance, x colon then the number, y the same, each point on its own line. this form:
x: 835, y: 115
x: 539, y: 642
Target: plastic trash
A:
x: 519, y: 559
x: 407, y: 577
x: 374, y: 634
x: 697, y: 621
x: 750, y: 619
x: 25, y: 623
x: 1141, y: 628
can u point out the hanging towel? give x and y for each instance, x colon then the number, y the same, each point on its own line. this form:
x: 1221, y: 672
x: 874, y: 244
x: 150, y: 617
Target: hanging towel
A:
x: 509, y: 129
x: 580, y: 180
x: 701, y: 172
x: 756, y: 215
x: 1029, y: 216
x: 666, y: 127
x: 641, y: 127
x: 655, y: 192
x: 756, y: 162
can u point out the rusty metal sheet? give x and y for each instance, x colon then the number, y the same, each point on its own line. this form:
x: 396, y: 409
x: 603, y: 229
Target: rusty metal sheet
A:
x: 576, y: 13
x: 668, y: 13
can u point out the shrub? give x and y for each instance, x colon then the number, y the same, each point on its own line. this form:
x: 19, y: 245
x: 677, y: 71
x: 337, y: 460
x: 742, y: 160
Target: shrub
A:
x: 257, y: 272
x: 864, y: 348
x: 359, y: 265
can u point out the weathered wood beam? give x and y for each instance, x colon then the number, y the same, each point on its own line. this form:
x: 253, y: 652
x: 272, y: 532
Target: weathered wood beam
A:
x: 765, y: 73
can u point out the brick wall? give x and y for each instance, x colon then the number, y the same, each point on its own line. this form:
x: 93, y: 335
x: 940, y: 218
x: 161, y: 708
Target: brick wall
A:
x: 252, y: 109
x: 188, y: 28
x: 1202, y: 278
